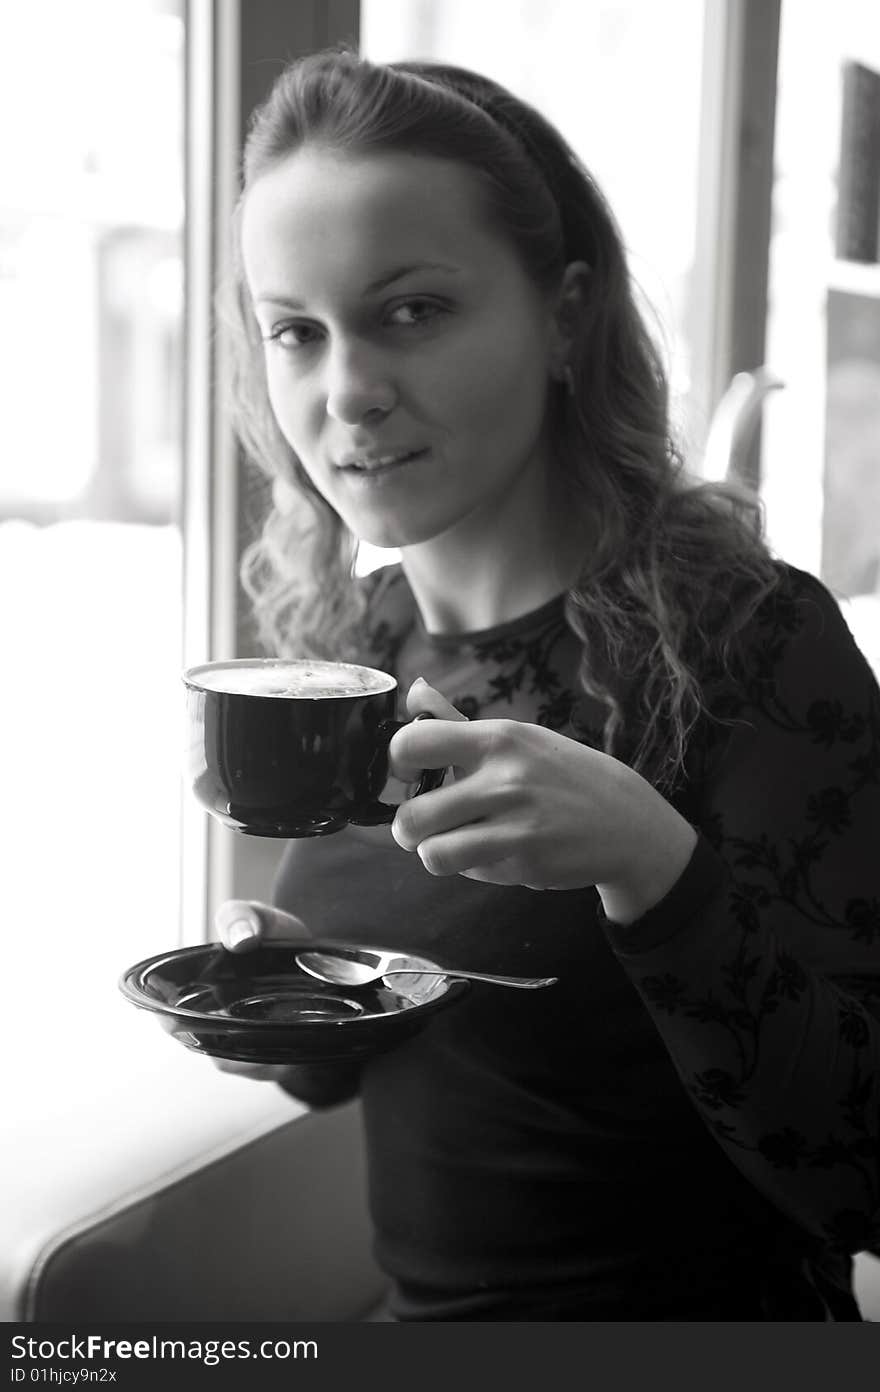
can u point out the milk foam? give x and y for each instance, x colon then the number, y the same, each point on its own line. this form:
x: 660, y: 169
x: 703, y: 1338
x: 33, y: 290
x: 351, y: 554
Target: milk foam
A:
x: 303, y: 678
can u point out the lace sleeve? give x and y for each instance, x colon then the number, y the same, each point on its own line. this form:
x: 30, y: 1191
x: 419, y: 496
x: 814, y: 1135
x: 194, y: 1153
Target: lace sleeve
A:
x: 761, y: 970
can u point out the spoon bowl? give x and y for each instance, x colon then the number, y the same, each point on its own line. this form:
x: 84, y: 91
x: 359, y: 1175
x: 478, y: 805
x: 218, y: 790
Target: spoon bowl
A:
x: 363, y: 966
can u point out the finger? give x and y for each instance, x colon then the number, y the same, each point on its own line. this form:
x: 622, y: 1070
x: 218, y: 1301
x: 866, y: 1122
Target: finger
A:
x: 503, y: 872
x: 425, y: 699
x: 468, y: 848
x: 439, y: 743
x: 507, y: 873
x: 243, y: 924
x: 443, y: 809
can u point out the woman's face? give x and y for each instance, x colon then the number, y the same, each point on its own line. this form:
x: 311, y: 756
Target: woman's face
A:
x: 407, y: 352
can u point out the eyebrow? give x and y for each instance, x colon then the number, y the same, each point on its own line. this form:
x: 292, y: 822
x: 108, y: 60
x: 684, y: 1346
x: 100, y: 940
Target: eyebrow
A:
x: 374, y: 287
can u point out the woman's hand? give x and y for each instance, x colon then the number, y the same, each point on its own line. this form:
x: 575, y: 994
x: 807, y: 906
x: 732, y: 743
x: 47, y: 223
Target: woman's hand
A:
x: 241, y: 925
x: 531, y: 807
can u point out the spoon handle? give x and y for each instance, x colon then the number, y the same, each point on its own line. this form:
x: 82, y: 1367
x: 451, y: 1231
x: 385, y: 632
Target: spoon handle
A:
x: 525, y: 983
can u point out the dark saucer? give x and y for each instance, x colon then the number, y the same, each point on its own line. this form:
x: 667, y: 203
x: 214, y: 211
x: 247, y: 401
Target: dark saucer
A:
x: 260, y: 1007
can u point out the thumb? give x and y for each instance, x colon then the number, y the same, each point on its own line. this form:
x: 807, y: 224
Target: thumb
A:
x: 243, y: 924
x: 424, y: 699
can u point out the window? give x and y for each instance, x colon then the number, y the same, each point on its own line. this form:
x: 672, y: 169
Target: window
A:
x: 91, y: 314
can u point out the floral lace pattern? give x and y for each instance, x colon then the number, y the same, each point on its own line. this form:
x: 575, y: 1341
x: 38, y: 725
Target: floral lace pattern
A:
x: 799, y: 916
x: 522, y: 670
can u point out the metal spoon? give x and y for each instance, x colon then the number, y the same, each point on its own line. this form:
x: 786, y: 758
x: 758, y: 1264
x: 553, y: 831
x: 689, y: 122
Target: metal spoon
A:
x: 342, y: 968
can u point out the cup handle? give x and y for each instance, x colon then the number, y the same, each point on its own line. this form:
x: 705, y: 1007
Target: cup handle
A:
x: 381, y: 813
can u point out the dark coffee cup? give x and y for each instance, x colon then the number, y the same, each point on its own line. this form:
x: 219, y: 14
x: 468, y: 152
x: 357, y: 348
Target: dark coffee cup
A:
x: 292, y: 748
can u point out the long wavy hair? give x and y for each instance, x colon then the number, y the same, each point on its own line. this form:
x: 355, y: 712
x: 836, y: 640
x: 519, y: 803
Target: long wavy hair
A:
x: 675, y: 567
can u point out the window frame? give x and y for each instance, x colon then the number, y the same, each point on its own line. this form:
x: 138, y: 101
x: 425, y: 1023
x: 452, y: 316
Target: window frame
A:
x: 735, y: 172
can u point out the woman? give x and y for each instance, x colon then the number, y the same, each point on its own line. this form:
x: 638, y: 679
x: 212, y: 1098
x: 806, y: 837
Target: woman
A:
x: 666, y: 746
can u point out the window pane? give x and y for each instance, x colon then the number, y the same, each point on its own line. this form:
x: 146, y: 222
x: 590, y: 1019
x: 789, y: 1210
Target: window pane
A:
x: 90, y: 555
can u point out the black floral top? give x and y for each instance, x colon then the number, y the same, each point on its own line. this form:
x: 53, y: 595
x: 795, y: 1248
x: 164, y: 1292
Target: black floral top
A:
x: 687, y: 1125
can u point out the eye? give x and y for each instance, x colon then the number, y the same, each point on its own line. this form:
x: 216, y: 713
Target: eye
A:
x: 415, y: 312
x: 293, y: 334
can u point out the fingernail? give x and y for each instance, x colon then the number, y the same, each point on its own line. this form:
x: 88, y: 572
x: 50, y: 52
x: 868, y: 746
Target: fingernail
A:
x: 240, y: 934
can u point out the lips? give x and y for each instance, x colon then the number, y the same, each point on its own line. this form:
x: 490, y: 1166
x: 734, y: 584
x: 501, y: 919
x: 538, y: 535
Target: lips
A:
x: 370, y: 462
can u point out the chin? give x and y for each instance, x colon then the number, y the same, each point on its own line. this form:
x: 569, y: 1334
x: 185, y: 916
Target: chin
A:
x: 396, y: 534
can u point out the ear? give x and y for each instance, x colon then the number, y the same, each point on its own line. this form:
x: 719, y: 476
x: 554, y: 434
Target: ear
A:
x: 568, y: 316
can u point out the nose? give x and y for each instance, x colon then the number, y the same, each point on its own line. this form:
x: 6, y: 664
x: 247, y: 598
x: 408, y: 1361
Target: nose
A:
x: 359, y: 384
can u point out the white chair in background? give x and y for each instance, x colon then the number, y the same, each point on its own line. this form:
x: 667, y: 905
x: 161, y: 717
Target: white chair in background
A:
x: 734, y: 422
